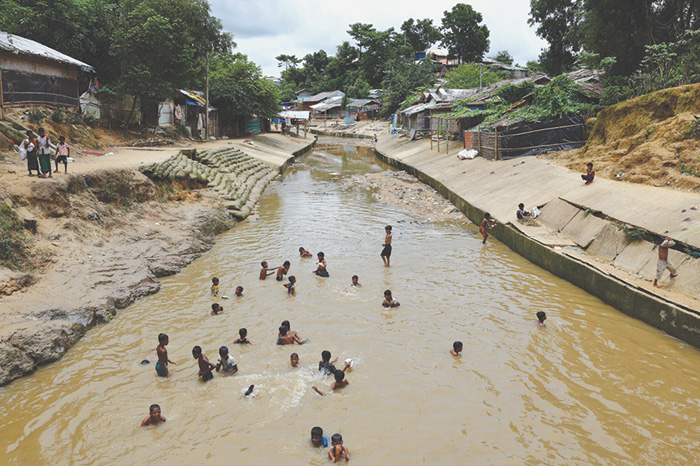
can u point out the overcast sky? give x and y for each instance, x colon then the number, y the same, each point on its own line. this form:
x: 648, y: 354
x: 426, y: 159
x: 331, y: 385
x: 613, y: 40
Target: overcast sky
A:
x: 264, y: 29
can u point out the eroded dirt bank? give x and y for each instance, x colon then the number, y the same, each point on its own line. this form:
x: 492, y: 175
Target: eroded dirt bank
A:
x: 94, y: 244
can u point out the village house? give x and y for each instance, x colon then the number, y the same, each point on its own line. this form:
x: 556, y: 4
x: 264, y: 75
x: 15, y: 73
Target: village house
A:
x: 34, y: 74
x: 184, y: 108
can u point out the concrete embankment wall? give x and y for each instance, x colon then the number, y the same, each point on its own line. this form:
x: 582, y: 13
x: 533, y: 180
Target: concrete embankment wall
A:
x: 440, y: 172
x: 339, y: 134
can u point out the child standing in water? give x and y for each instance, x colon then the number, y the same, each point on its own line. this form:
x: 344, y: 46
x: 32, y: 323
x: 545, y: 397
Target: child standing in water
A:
x: 205, y: 367
x: 239, y: 291
x: 486, y: 224
x: 243, y: 340
x: 282, y: 271
x: 265, y: 271
x: 317, y: 438
x: 154, y: 417
x: 162, y: 364
x: 226, y: 363
x: 304, y: 253
x: 541, y: 317
x: 321, y: 265
x: 215, y: 287
x: 291, y: 291
x: 386, y: 252
x: 389, y: 301
x: 216, y: 309
x: 355, y: 281
x: 294, y: 360
x: 338, y: 451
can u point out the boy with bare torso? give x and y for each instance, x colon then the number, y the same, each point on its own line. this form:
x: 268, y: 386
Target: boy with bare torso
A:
x: 663, y: 262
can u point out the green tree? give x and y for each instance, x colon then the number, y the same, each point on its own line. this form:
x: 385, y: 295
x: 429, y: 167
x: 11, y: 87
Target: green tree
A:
x: 358, y: 90
x: 504, y: 57
x: 377, y: 49
x: 403, y: 77
x: 420, y: 34
x: 463, y: 35
x: 558, y: 22
x: 467, y: 77
x: 287, y: 60
x: 239, y: 89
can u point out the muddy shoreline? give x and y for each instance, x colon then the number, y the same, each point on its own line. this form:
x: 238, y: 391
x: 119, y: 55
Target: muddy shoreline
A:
x: 100, y: 239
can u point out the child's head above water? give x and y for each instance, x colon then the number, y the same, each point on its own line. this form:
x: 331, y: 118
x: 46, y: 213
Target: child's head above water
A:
x: 339, y: 376
x: 457, y: 346
x: 283, y: 330
x: 263, y: 264
x: 355, y: 278
x: 197, y: 352
x: 302, y: 250
x: 317, y: 436
x: 223, y: 351
x: 163, y: 339
x: 216, y: 308
x: 292, y: 279
x: 243, y: 333
x: 541, y: 316
x: 154, y: 410
x: 321, y: 255
x: 337, y: 439
x: 285, y: 323
x: 239, y: 290
x: 215, y: 281
x: 387, y: 294
x: 326, y: 355
x: 294, y: 359
x: 388, y: 228
x: 286, y: 264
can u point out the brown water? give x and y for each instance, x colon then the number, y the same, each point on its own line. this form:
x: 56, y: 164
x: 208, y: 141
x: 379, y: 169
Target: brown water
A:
x: 594, y: 387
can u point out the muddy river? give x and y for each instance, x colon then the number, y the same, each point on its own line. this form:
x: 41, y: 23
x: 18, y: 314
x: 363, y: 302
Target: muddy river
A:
x: 594, y: 387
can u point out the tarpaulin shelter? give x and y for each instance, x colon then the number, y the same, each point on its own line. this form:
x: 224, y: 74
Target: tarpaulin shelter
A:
x: 32, y: 73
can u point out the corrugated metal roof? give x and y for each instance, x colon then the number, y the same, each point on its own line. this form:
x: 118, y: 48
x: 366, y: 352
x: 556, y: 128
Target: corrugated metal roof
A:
x: 331, y: 102
x: 298, y: 115
x: 325, y: 95
x: 20, y: 45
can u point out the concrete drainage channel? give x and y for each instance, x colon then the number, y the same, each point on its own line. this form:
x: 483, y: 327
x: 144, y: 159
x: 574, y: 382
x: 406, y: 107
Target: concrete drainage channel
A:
x: 678, y: 321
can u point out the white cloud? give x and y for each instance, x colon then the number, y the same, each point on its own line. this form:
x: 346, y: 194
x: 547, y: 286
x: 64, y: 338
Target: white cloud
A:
x: 266, y: 29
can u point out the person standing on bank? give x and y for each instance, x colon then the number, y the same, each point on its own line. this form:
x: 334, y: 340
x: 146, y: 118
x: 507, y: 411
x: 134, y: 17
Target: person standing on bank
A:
x: 663, y: 262
x: 44, y: 153
x: 29, y: 145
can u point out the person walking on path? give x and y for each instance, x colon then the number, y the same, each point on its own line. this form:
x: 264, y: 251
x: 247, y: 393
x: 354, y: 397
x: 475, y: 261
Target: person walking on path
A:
x: 29, y: 145
x: 44, y: 153
x: 663, y: 262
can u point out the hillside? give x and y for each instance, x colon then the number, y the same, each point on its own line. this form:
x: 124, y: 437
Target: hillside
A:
x: 650, y: 140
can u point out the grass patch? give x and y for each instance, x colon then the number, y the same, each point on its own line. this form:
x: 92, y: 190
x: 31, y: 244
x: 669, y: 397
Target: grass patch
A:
x: 13, y: 243
x: 634, y: 234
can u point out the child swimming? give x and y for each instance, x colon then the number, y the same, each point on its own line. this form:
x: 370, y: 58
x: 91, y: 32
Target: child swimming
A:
x: 226, y: 363
x: 389, y: 301
x: 243, y: 338
x: 239, y: 291
x: 338, y: 451
x: 304, y: 253
x: 154, y: 417
x: 456, y: 348
x: 216, y: 309
x: 317, y: 438
x: 355, y: 281
x: 339, y: 383
x: 294, y: 360
x: 541, y: 317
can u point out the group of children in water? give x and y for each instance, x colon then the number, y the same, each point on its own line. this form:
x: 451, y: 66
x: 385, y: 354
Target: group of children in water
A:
x: 226, y: 364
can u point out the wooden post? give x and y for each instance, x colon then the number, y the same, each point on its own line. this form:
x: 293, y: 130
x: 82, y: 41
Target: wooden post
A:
x: 2, y: 98
x: 206, y: 104
x: 479, y: 134
x: 447, y: 138
x: 432, y: 134
x: 495, y: 143
x: 464, y: 139
x: 438, y: 135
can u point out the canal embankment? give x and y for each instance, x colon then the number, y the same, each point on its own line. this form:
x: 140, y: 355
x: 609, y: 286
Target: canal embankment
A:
x: 100, y: 237
x: 599, y: 237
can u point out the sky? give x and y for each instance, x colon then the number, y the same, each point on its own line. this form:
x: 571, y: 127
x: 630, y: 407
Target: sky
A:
x: 264, y: 29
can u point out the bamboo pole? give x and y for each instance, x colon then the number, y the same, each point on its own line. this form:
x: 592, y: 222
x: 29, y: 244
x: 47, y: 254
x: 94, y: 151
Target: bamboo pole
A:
x: 479, y: 134
x: 432, y: 135
x: 2, y: 100
x: 447, y: 138
x: 495, y: 144
x: 438, y: 135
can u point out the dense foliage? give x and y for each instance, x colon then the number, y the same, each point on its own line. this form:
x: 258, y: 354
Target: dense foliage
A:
x: 560, y: 98
x: 146, y: 48
x: 467, y: 77
x: 375, y: 59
